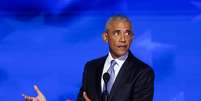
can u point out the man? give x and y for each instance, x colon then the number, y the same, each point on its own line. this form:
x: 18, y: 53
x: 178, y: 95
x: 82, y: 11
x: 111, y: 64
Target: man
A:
x: 127, y: 79
x: 133, y: 80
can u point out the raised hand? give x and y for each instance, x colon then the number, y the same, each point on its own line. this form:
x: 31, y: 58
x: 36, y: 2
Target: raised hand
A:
x: 39, y: 97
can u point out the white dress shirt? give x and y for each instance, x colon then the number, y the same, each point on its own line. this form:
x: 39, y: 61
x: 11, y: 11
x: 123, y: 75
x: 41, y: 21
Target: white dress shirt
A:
x: 117, y: 67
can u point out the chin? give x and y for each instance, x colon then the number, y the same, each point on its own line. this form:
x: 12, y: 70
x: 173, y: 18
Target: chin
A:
x: 121, y: 53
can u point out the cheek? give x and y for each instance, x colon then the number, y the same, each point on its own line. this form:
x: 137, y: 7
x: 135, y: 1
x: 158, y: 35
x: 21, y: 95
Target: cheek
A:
x: 112, y: 42
x: 129, y: 42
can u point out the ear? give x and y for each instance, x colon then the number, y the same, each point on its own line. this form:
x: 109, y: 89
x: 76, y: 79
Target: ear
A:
x: 105, y: 36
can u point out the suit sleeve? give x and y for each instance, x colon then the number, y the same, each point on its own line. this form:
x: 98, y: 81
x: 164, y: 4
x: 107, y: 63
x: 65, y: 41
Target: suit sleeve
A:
x: 144, y: 86
x: 83, y: 85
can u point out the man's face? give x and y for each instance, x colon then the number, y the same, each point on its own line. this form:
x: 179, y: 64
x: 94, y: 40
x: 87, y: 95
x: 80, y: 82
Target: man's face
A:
x: 119, y: 37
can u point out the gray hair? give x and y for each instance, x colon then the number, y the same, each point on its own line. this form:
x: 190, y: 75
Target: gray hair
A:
x: 117, y: 18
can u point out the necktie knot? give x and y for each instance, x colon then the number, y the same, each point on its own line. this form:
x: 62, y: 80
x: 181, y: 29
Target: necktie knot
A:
x: 113, y: 63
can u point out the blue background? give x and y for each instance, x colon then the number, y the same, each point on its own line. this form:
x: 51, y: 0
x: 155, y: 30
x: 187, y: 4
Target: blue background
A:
x: 47, y: 42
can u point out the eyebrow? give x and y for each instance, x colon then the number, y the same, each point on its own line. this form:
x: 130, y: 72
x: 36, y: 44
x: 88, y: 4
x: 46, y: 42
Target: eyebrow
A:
x: 120, y: 30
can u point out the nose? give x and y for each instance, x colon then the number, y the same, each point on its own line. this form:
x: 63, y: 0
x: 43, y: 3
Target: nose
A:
x: 122, y: 38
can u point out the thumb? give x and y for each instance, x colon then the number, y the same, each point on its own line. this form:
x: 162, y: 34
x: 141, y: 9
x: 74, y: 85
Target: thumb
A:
x: 85, y: 96
x: 37, y: 90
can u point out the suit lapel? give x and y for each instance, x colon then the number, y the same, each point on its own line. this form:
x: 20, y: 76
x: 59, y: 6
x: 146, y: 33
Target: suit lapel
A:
x: 100, y: 66
x: 122, y: 75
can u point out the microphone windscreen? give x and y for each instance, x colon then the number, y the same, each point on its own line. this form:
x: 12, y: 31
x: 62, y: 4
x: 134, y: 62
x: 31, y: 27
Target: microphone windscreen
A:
x: 106, y: 77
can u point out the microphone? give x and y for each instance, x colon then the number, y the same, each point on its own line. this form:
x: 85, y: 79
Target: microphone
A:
x: 106, y: 78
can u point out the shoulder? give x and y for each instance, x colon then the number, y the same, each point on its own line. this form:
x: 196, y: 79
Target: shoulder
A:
x: 140, y: 71
x: 94, y: 66
x: 141, y: 66
x: 96, y: 62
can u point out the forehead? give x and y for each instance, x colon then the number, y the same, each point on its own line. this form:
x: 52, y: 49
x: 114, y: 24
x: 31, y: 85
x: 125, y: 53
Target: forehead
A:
x: 121, y: 25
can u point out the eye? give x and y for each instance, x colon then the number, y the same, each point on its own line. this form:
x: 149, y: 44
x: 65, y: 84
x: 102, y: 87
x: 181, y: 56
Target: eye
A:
x: 128, y: 33
x: 116, y: 33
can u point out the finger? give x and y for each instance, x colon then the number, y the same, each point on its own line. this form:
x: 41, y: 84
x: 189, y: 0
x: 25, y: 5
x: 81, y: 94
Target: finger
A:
x: 85, y: 96
x: 32, y: 99
x: 37, y: 89
x: 28, y: 98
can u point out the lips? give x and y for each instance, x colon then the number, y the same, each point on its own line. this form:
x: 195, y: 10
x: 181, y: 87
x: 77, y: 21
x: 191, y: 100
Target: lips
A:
x: 122, y: 46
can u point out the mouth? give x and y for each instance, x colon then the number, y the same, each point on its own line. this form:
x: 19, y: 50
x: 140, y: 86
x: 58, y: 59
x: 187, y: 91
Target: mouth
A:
x: 122, y: 46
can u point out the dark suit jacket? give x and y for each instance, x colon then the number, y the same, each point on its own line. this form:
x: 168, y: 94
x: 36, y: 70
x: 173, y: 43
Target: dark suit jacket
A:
x: 135, y: 81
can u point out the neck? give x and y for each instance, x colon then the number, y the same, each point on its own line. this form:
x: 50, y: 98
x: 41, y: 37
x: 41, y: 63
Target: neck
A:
x: 117, y: 56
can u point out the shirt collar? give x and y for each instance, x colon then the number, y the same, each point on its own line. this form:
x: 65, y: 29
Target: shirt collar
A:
x: 119, y: 60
